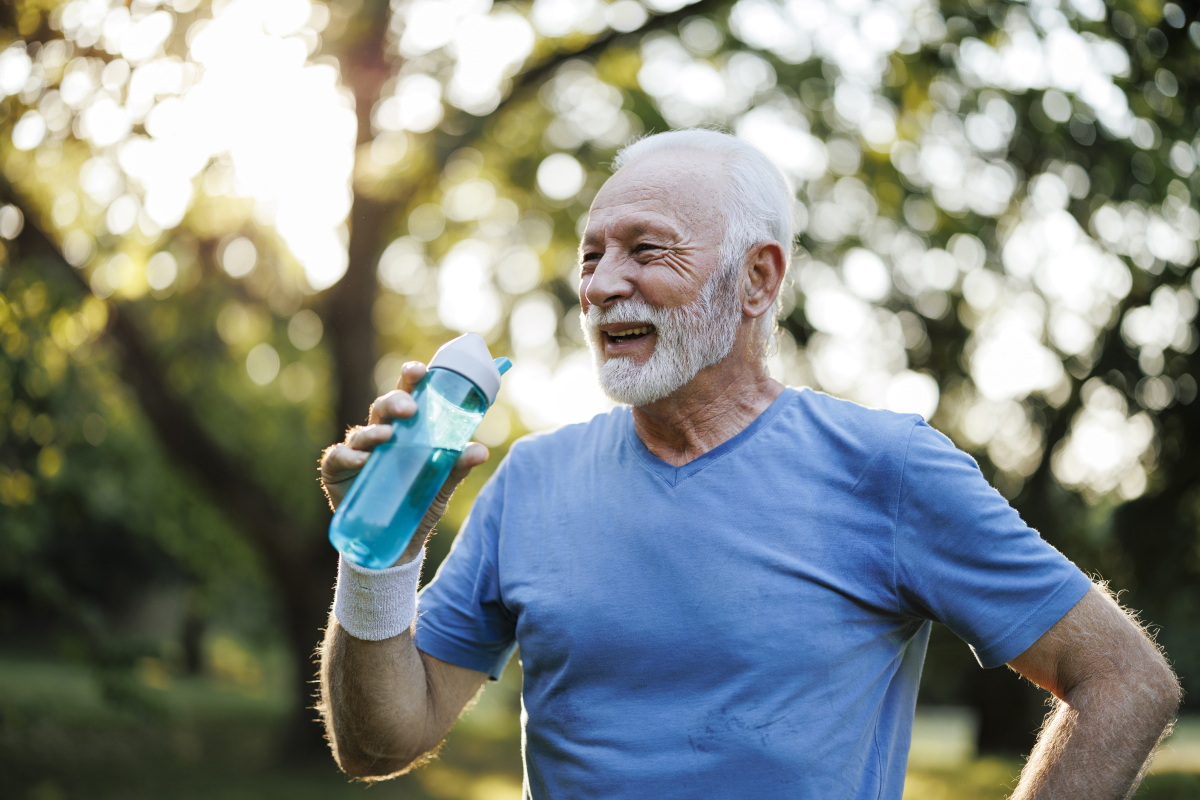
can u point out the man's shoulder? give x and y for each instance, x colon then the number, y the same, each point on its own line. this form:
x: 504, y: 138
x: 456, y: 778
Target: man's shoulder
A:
x: 603, y: 429
x: 839, y: 418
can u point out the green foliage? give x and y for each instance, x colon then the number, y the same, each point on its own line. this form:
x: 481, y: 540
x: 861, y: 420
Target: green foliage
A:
x: 103, y: 509
x: 94, y: 520
x: 1177, y: 786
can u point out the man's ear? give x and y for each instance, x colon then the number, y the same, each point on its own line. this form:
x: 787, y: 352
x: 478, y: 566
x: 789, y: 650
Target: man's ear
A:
x: 764, y: 270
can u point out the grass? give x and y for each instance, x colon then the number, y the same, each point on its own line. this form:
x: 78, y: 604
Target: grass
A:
x: 67, y: 732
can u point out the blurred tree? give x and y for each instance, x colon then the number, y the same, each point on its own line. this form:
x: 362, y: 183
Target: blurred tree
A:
x: 222, y: 214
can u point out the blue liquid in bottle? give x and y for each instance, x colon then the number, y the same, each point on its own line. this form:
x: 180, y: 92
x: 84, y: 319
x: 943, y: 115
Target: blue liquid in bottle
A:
x: 389, y: 498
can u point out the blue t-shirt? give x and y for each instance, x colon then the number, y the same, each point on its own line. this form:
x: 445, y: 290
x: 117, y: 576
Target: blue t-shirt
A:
x: 751, y: 624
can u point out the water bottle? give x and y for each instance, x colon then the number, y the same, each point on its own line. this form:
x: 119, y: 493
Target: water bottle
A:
x: 401, y: 478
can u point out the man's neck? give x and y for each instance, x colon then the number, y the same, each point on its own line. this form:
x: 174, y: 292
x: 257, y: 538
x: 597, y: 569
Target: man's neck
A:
x: 716, y: 405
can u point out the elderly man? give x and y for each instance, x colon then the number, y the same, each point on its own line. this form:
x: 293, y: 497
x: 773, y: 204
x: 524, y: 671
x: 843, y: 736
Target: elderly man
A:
x: 723, y: 588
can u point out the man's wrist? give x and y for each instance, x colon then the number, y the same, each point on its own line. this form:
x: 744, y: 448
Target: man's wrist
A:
x: 377, y: 604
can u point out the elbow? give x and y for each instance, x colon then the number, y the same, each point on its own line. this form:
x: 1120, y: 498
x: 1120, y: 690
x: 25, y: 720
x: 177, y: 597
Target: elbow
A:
x: 376, y: 767
x: 1169, y: 693
x: 1160, y: 689
x: 373, y: 768
x: 379, y: 763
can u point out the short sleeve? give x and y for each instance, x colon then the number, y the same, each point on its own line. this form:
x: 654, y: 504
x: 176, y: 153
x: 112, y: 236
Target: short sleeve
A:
x: 461, y: 617
x: 964, y: 557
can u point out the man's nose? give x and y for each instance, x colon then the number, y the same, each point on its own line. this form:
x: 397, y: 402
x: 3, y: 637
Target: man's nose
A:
x: 607, y: 283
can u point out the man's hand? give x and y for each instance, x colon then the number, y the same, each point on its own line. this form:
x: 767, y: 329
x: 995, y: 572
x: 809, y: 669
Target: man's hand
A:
x: 385, y: 704
x: 1117, y: 699
x: 341, y: 462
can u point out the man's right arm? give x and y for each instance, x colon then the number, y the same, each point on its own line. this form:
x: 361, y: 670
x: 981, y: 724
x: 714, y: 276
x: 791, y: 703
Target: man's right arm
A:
x: 385, y: 703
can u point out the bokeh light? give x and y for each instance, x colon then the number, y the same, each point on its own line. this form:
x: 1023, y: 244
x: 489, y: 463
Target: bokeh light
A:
x: 560, y: 176
x: 228, y: 107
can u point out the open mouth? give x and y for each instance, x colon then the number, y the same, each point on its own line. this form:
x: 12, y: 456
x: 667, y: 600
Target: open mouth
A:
x: 629, y: 334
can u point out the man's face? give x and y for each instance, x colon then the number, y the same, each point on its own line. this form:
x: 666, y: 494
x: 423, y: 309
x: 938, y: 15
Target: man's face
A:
x: 656, y: 305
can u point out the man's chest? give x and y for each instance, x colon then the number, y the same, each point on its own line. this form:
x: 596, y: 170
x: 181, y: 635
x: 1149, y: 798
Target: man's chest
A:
x: 728, y: 570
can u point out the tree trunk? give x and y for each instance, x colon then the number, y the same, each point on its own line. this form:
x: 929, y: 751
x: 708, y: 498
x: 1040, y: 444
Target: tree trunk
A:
x: 306, y: 596
x: 349, y: 315
x: 350, y: 302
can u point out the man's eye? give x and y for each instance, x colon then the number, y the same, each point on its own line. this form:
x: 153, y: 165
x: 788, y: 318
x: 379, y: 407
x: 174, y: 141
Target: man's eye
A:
x: 646, y: 246
x: 587, y: 257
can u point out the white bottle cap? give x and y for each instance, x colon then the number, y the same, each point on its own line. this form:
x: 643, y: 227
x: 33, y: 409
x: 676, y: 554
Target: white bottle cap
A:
x: 468, y: 356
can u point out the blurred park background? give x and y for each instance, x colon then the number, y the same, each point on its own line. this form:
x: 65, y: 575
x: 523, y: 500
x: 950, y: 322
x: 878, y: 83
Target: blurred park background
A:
x: 225, y: 225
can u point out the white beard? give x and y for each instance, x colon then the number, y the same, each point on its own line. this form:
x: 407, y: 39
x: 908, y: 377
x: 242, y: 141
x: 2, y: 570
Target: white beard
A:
x: 689, y: 338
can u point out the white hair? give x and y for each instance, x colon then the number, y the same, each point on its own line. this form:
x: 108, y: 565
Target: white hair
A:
x: 758, y: 201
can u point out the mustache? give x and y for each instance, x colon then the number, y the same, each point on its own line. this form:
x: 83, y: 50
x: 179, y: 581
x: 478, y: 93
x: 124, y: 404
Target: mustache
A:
x: 625, y: 311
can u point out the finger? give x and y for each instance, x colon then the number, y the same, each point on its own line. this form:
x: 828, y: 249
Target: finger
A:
x: 472, y: 456
x: 410, y: 375
x: 396, y: 404
x: 369, y: 437
x: 341, y: 462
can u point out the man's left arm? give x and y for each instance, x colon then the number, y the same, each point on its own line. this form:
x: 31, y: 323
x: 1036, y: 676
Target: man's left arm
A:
x: 1116, y: 700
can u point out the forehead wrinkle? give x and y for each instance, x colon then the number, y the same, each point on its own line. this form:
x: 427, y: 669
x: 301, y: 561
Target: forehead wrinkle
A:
x: 622, y: 227
x: 679, y: 186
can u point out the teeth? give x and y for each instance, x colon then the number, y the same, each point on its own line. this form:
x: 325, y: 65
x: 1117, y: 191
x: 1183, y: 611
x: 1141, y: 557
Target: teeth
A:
x: 631, y: 332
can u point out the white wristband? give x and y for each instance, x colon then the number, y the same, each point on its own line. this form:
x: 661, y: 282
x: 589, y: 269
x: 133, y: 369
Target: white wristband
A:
x: 376, y: 604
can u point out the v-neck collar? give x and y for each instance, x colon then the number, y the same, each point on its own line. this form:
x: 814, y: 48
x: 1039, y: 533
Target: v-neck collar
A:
x: 672, y: 475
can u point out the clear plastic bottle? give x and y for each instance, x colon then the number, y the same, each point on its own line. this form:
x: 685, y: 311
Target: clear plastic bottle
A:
x: 389, y: 498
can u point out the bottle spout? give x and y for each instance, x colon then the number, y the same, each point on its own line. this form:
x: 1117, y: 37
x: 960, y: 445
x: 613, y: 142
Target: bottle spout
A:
x: 503, y: 364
